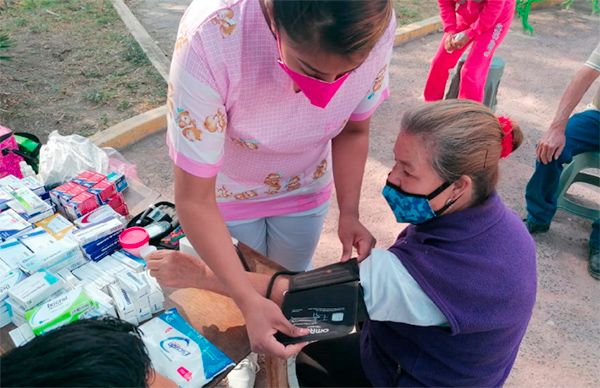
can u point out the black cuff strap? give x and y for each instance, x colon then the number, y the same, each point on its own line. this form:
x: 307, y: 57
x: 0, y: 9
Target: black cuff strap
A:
x: 272, y: 281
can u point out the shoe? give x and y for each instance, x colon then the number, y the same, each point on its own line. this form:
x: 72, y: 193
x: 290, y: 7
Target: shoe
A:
x: 244, y: 373
x: 594, y: 263
x: 534, y: 227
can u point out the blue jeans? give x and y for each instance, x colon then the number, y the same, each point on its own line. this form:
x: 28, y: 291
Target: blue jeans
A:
x: 541, y: 194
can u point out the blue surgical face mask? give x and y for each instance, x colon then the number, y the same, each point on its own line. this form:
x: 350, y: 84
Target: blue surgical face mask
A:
x: 413, y: 208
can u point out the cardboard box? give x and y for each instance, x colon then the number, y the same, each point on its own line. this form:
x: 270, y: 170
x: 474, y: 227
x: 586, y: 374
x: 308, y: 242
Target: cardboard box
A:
x: 80, y: 205
x: 65, y: 192
x: 35, y: 289
x: 88, y: 178
x: 12, y: 252
x: 56, y: 225
x: 118, y: 180
x: 12, y: 224
x: 59, y: 311
x: 103, y: 190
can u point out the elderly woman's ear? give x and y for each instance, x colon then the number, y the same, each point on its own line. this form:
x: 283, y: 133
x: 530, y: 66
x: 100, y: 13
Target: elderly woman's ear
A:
x: 462, y: 187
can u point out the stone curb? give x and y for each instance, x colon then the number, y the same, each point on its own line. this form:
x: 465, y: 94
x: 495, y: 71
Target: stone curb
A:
x: 132, y: 130
x: 416, y: 30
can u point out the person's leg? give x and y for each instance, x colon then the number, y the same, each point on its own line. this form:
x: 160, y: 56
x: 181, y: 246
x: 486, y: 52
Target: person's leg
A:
x: 541, y: 194
x: 474, y: 72
x: 441, y: 64
x: 292, y: 239
x: 251, y: 232
x: 332, y: 363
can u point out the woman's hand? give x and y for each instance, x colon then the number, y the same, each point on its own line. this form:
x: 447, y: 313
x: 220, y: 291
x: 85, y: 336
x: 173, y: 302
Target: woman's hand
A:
x: 263, y: 320
x: 352, y: 233
x: 448, y: 43
x: 459, y: 40
x: 178, y: 270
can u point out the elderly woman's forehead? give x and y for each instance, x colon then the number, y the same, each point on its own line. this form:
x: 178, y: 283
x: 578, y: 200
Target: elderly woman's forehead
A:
x: 411, y: 150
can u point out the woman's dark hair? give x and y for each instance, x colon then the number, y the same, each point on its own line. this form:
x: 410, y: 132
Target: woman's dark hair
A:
x: 88, y: 353
x: 343, y: 27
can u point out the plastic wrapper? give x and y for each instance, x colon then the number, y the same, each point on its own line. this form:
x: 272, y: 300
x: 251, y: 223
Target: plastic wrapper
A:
x: 63, y: 157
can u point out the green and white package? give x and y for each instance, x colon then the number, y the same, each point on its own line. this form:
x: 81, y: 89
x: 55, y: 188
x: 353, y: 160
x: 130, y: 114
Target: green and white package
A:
x: 61, y: 310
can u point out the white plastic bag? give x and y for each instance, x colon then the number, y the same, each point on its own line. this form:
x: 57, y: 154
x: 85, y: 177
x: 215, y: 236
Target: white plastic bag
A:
x: 180, y: 353
x: 63, y: 157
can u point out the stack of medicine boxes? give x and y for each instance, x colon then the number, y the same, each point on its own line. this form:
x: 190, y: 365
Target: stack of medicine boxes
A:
x: 54, y: 271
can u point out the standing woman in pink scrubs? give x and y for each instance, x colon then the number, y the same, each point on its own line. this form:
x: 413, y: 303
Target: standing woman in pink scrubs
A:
x: 481, y: 24
x: 269, y: 101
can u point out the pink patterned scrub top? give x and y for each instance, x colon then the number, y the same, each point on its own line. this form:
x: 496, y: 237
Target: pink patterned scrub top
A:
x: 233, y: 113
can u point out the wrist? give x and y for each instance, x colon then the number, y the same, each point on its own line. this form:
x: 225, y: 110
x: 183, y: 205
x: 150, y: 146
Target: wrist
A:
x: 246, y: 300
x: 282, y: 284
x: 558, y: 126
x: 349, y: 214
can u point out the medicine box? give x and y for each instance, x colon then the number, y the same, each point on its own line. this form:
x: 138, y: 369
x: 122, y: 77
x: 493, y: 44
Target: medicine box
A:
x: 35, y: 289
x: 12, y: 224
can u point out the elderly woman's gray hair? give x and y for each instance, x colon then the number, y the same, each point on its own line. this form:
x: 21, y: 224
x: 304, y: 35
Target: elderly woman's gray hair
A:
x: 465, y: 138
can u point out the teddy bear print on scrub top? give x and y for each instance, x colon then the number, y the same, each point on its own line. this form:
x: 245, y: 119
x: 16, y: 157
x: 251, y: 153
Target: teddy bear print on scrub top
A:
x: 222, y: 192
x: 252, y: 145
x: 246, y: 195
x: 170, y: 105
x: 189, y: 130
x: 378, y: 82
x: 181, y: 41
x: 216, y: 122
x: 224, y: 19
x: 293, y: 183
x: 321, y: 169
x: 273, y: 180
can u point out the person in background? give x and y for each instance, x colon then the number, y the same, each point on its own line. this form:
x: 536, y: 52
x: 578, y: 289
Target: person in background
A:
x: 102, y: 352
x: 566, y: 138
x: 268, y: 102
x: 480, y: 24
x: 450, y: 301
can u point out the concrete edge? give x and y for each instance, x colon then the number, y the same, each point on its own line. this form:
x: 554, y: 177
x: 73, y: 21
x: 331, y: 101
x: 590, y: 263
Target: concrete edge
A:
x: 132, y: 130
x: 155, y: 54
x: 416, y: 30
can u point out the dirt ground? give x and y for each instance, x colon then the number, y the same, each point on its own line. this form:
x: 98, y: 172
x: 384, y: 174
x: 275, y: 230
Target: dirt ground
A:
x: 74, y: 68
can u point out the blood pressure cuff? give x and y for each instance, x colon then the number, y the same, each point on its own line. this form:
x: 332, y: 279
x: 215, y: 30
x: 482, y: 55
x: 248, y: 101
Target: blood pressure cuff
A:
x: 328, y: 301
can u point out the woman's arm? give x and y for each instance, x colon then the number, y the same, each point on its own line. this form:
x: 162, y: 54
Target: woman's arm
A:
x: 349, y: 155
x: 203, y: 224
x: 180, y: 270
x: 487, y: 18
x: 448, y: 15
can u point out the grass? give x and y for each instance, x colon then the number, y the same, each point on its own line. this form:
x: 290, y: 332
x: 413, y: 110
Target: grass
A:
x: 5, y: 44
x: 77, y: 69
x: 410, y: 11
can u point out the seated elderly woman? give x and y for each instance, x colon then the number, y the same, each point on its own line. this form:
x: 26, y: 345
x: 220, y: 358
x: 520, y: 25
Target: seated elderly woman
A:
x: 450, y: 301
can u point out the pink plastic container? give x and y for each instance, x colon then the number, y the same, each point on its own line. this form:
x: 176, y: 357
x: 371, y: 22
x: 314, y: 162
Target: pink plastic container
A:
x: 134, y: 239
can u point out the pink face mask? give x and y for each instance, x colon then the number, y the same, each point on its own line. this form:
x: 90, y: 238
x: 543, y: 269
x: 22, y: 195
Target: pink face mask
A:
x: 318, y: 92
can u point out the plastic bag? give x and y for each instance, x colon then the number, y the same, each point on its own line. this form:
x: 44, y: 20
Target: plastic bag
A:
x: 180, y: 353
x: 118, y: 163
x: 63, y: 157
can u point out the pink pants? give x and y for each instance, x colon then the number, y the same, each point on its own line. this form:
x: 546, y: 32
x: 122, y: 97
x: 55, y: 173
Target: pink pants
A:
x: 475, y: 69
